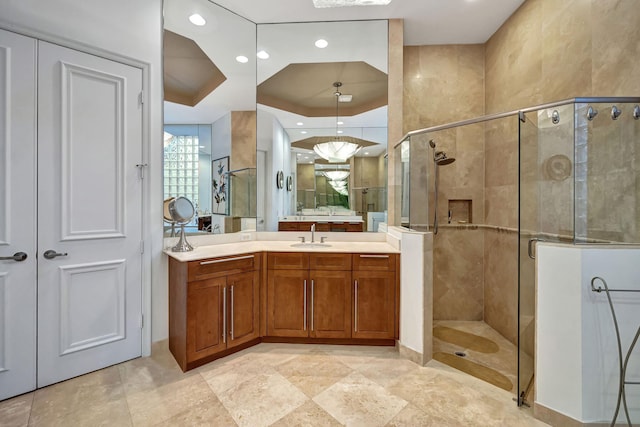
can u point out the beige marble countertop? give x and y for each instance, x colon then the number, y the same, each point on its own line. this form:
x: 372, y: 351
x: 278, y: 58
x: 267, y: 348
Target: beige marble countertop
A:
x: 238, y: 248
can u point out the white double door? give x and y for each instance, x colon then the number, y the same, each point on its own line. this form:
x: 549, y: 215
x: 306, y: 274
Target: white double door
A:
x: 71, y: 200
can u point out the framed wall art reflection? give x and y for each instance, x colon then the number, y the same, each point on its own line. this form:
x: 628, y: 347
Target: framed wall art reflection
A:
x: 220, y: 189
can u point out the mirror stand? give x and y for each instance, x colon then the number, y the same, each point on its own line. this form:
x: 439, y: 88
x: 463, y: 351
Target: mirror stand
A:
x: 182, y: 245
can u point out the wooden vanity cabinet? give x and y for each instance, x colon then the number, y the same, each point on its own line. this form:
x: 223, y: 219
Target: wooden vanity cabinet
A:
x: 375, y: 294
x: 320, y: 225
x: 213, y: 307
x: 308, y: 295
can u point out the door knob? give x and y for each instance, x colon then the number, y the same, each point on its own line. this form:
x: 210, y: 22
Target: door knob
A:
x: 18, y: 256
x: 51, y: 254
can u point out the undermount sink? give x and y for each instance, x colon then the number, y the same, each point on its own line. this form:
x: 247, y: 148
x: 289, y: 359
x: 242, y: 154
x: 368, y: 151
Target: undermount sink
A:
x: 310, y: 245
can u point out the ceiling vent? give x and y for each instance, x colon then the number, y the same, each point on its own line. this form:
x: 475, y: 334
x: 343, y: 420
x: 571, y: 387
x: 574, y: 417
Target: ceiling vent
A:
x: 342, y: 3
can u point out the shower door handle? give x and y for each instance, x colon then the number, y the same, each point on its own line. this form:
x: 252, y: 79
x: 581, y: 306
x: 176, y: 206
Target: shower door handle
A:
x: 530, y: 252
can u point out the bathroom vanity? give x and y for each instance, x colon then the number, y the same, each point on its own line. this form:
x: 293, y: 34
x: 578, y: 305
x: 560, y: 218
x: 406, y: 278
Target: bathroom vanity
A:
x: 227, y: 297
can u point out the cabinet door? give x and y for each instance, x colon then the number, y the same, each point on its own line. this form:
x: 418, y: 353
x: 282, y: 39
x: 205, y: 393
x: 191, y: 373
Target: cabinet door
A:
x: 287, y: 303
x: 330, y: 304
x: 205, y: 307
x: 243, y: 307
x: 374, y: 304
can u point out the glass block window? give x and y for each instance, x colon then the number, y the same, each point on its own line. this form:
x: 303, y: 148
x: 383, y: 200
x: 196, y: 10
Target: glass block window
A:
x: 181, y: 168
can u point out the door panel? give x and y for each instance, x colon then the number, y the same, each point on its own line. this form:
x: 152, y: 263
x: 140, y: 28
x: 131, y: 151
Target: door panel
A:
x: 204, y: 321
x: 330, y: 304
x: 85, y: 289
x: 89, y: 212
x: 286, y: 302
x: 374, y: 304
x: 243, y: 307
x: 17, y: 214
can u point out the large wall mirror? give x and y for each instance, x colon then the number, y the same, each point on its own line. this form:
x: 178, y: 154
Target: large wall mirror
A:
x: 245, y: 106
x: 210, y: 115
x: 322, y: 90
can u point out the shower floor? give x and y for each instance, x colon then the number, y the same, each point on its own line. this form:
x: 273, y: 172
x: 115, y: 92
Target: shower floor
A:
x: 487, y: 354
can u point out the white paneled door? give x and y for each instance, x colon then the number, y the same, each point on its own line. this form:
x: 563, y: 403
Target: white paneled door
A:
x: 17, y: 214
x: 89, y: 213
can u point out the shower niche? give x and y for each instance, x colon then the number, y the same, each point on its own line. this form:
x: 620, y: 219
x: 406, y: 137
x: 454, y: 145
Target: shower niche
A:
x: 460, y: 211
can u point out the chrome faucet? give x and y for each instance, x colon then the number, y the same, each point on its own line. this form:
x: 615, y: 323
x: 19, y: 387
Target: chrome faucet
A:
x: 313, y: 233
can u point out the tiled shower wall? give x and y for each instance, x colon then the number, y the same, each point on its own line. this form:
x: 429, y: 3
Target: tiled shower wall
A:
x: 548, y: 50
x: 444, y: 84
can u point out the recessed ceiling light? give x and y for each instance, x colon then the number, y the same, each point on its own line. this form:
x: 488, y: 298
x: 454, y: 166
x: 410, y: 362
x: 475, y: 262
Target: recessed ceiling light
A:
x: 299, y: 154
x: 242, y: 59
x: 341, y: 3
x: 311, y: 162
x: 366, y: 153
x: 197, y: 19
x: 321, y: 43
x: 340, y: 123
x: 300, y: 123
x: 262, y: 54
x: 306, y: 157
x: 303, y: 132
x: 340, y: 131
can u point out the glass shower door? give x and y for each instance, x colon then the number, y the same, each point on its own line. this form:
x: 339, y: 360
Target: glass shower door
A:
x: 546, y: 209
x: 528, y: 204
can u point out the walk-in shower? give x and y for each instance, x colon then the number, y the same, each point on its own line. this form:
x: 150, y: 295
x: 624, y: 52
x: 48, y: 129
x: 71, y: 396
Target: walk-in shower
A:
x: 556, y: 172
x: 439, y: 159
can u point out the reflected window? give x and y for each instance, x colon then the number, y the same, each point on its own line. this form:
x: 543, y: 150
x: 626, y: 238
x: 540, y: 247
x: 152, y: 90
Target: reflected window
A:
x: 181, y: 167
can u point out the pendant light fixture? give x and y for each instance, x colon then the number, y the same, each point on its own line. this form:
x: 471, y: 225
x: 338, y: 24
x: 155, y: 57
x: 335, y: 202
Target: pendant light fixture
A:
x: 336, y: 151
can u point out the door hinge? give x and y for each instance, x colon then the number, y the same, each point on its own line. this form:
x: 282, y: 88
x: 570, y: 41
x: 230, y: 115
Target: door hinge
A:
x: 141, y: 246
x: 141, y: 321
x: 141, y: 98
x: 141, y: 167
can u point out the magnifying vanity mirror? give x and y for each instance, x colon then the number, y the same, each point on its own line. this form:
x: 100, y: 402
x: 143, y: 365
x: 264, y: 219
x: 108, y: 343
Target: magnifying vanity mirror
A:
x: 233, y: 120
x: 181, y: 211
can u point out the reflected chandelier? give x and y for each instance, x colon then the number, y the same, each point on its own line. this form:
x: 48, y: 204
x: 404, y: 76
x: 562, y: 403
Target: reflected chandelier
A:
x: 336, y: 175
x: 336, y: 151
x: 340, y: 187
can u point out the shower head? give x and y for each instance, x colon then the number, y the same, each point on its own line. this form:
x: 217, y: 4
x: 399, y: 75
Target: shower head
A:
x: 441, y: 159
x: 432, y: 143
x: 445, y: 161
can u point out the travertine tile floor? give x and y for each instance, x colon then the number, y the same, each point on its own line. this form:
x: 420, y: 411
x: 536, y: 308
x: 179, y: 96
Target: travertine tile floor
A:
x: 272, y: 385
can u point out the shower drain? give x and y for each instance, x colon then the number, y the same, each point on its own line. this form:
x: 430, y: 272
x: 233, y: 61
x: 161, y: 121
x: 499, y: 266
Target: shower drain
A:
x: 460, y: 353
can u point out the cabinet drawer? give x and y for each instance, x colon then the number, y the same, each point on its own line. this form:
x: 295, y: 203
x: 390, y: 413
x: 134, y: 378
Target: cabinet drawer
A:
x: 287, y: 261
x: 378, y: 262
x: 288, y: 226
x: 323, y: 226
x: 332, y: 261
x: 207, y: 268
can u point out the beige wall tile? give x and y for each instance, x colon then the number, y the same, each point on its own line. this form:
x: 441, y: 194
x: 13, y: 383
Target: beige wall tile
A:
x: 566, y: 49
x: 615, y: 31
x: 501, y: 282
x: 458, y: 275
x: 243, y: 140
